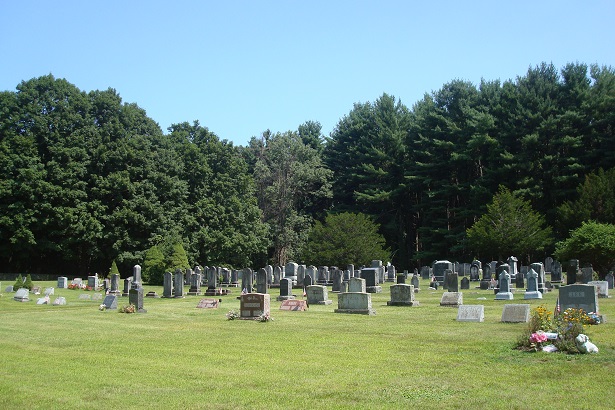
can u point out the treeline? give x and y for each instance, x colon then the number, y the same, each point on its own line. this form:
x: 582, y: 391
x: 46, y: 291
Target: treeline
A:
x: 86, y: 179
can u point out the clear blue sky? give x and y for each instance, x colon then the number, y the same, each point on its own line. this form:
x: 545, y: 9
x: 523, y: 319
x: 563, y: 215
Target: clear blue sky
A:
x: 241, y: 67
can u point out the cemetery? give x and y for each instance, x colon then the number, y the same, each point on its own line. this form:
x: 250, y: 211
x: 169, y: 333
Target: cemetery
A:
x: 68, y: 345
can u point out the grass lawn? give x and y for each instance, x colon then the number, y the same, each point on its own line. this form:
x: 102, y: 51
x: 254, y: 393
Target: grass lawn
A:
x: 176, y: 356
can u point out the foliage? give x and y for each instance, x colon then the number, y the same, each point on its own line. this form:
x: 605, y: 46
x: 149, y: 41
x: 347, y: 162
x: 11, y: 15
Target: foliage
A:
x: 343, y: 239
x: 592, y: 242
x: 28, y: 282
x: 177, y: 259
x: 567, y: 325
x: 154, y: 266
x: 509, y: 227
x: 232, y: 315
x: 293, y: 186
x: 264, y: 317
x: 18, y: 283
x: 595, y: 201
x: 127, y: 309
x: 113, y: 270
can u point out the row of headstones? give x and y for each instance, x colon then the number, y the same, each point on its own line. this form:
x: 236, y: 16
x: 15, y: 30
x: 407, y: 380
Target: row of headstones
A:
x: 356, y: 300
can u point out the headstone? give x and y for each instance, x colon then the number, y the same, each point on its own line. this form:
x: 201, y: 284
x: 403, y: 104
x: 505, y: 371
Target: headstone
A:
x: 110, y: 302
x: 195, y: 284
x: 127, y: 286
x: 513, y: 267
x: 539, y: 268
x: 402, y: 295
x: 318, y: 295
x: 451, y: 281
x: 300, y: 275
x: 59, y: 301
x: 471, y: 313
x: 602, y: 287
x: 439, y: 267
x: 235, y: 278
x: 357, y: 285
x: 294, y: 305
x: 42, y: 301
x: 609, y: 280
x: 587, y: 274
x: 307, y: 281
x: 571, y: 272
x: 338, y: 279
x: 350, y: 269
x: 532, y: 286
x: 167, y: 285
x: 360, y: 303
x: 401, y: 278
x: 135, y: 296
x: 253, y: 305
x: 93, y: 282
x: 62, y: 282
x: 151, y: 294
x: 85, y: 296
x: 519, y: 280
x: 246, y: 280
x: 476, y: 269
x: 261, y: 281
x: 97, y: 296
x: 487, y: 272
x: 36, y: 290
x: 415, y: 282
x: 391, y: 274
x: 323, y: 275
x: 465, y: 283
x: 9, y: 289
x: 516, y: 313
x: 312, y: 272
x: 178, y: 284
x: 49, y: 291
x: 212, y: 279
x: 372, y: 279
x: 579, y: 297
x: 136, y: 277
x: 286, y: 289
x: 77, y: 281
x: 556, y: 272
x: 451, y: 299
x: 188, y: 278
x: 22, y: 295
x: 208, y: 304
x: 425, y: 272
x: 114, y: 286
x: 504, y: 292
x: 549, y: 264
x: 277, y: 275
x: 290, y: 271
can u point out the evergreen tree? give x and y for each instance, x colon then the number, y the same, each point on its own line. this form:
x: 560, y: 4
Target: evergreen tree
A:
x: 154, y: 266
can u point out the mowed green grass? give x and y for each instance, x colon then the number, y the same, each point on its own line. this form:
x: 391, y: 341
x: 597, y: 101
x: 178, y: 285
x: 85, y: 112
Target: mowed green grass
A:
x: 176, y: 356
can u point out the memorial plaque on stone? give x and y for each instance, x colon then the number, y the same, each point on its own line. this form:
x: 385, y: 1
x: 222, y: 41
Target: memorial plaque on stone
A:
x: 22, y: 295
x: 357, y: 285
x: 579, y: 297
x: 318, y: 295
x: 402, y: 295
x: 135, y: 297
x: 516, y: 313
x: 97, y: 296
x: 62, y: 282
x: 59, y: 301
x: 110, y: 302
x: 294, y: 305
x: 360, y: 303
x: 84, y: 296
x: 253, y: 305
x: 602, y: 287
x: 208, y: 304
x: 572, y: 271
x: 451, y: 299
x: 42, y: 301
x: 471, y: 313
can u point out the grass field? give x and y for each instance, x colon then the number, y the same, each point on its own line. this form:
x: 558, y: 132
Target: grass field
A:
x: 176, y: 356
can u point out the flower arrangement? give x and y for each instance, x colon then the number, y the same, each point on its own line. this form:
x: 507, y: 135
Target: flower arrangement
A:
x: 232, y: 315
x: 76, y: 286
x: 102, y: 307
x: 264, y: 317
x: 127, y: 309
x: 563, y: 328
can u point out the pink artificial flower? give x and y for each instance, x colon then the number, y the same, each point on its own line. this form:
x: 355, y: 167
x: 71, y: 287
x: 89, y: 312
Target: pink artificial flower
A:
x: 538, y: 337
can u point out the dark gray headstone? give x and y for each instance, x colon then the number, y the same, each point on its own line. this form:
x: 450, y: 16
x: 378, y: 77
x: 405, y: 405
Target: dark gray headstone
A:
x: 110, y: 302
x: 135, y: 297
x: 451, y: 281
x: 261, y: 281
x: 579, y: 297
x: 587, y: 274
x: 465, y: 283
x: 609, y: 280
x: 571, y: 272
x: 370, y: 275
x: 167, y: 287
x: 286, y: 287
